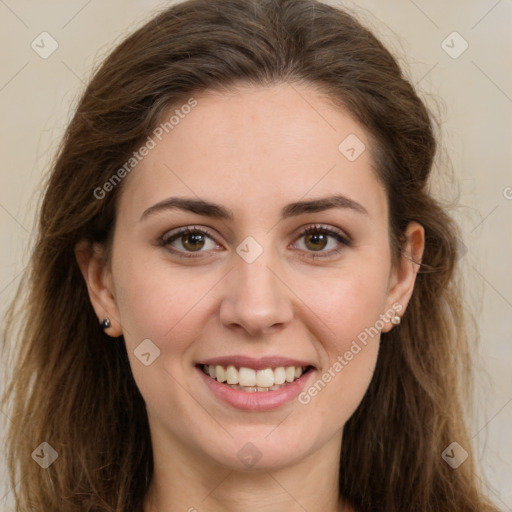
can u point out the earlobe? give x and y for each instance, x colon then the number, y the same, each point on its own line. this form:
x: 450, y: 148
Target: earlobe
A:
x: 98, y: 278
x: 403, y: 275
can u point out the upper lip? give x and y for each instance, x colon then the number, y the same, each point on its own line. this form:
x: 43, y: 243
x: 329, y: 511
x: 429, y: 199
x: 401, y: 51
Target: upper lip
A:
x: 256, y: 363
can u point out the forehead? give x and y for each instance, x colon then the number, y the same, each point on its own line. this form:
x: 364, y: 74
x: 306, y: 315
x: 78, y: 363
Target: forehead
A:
x: 253, y: 147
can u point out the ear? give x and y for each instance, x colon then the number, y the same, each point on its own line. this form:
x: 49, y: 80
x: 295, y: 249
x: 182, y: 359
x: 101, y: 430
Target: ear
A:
x: 404, y: 272
x: 98, y: 278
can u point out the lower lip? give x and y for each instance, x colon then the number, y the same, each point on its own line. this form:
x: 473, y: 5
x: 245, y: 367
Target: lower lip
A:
x: 258, y: 400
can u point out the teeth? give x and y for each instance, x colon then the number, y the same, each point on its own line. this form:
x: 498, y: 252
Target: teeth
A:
x: 231, y: 375
x: 250, y: 380
x: 280, y: 375
x: 265, y: 378
x: 221, y: 374
x: 247, y: 377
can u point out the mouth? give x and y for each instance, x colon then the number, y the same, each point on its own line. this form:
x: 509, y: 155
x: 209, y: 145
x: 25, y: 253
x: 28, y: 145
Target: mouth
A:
x: 253, y: 380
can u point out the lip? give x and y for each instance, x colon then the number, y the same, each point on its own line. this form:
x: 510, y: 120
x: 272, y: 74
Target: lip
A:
x: 257, y: 364
x: 257, y: 401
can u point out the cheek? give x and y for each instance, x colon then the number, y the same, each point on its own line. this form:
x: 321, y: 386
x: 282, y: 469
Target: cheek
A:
x: 160, y: 301
x: 351, y: 302
x: 154, y: 296
x: 350, y: 310
x: 157, y: 303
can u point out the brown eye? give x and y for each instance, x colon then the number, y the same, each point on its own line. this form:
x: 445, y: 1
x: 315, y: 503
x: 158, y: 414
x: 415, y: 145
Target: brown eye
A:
x: 192, y: 241
x: 316, y: 241
x: 185, y: 242
x: 321, y: 240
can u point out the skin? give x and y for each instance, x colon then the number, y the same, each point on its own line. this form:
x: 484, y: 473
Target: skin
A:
x: 252, y: 150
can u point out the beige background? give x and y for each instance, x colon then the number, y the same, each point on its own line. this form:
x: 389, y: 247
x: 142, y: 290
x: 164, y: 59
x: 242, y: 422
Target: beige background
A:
x: 471, y: 93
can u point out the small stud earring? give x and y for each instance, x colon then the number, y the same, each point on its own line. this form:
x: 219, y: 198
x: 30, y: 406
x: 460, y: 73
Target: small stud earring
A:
x: 105, y: 323
x: 395, y: 320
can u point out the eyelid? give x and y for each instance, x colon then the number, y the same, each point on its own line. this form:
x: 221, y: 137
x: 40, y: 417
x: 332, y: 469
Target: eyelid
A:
x: 342, y: 237
x: 187, y: 229
x: 177, y: 233
x: 331, y: 230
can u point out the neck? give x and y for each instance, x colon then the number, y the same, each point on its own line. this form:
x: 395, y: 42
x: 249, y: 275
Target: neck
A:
x: 186, y: 481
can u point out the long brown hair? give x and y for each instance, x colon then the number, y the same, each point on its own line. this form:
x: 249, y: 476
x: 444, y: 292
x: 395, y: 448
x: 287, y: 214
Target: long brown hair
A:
x: 73, y: 387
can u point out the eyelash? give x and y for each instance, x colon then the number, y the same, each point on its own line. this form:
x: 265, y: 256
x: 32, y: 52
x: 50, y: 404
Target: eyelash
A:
x: 342, y: 239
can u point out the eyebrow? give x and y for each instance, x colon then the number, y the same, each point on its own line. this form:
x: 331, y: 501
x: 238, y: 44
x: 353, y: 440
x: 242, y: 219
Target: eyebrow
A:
x: 216, y: 211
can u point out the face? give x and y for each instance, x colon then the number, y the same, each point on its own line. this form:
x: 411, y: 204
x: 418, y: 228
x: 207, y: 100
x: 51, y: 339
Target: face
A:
x: 286, y: 263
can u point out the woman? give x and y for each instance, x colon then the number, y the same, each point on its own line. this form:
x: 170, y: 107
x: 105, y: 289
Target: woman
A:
x: 242, y: 294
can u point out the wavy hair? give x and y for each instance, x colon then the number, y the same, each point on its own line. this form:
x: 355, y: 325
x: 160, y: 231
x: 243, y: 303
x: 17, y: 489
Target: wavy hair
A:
x: 73, y: 388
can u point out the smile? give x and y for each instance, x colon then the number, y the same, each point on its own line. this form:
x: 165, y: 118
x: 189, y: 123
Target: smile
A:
x: 254, y: 384
x: 254, y: 380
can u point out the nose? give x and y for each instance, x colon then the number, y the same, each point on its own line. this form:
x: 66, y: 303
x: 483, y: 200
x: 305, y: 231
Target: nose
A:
x: 256, y: 298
